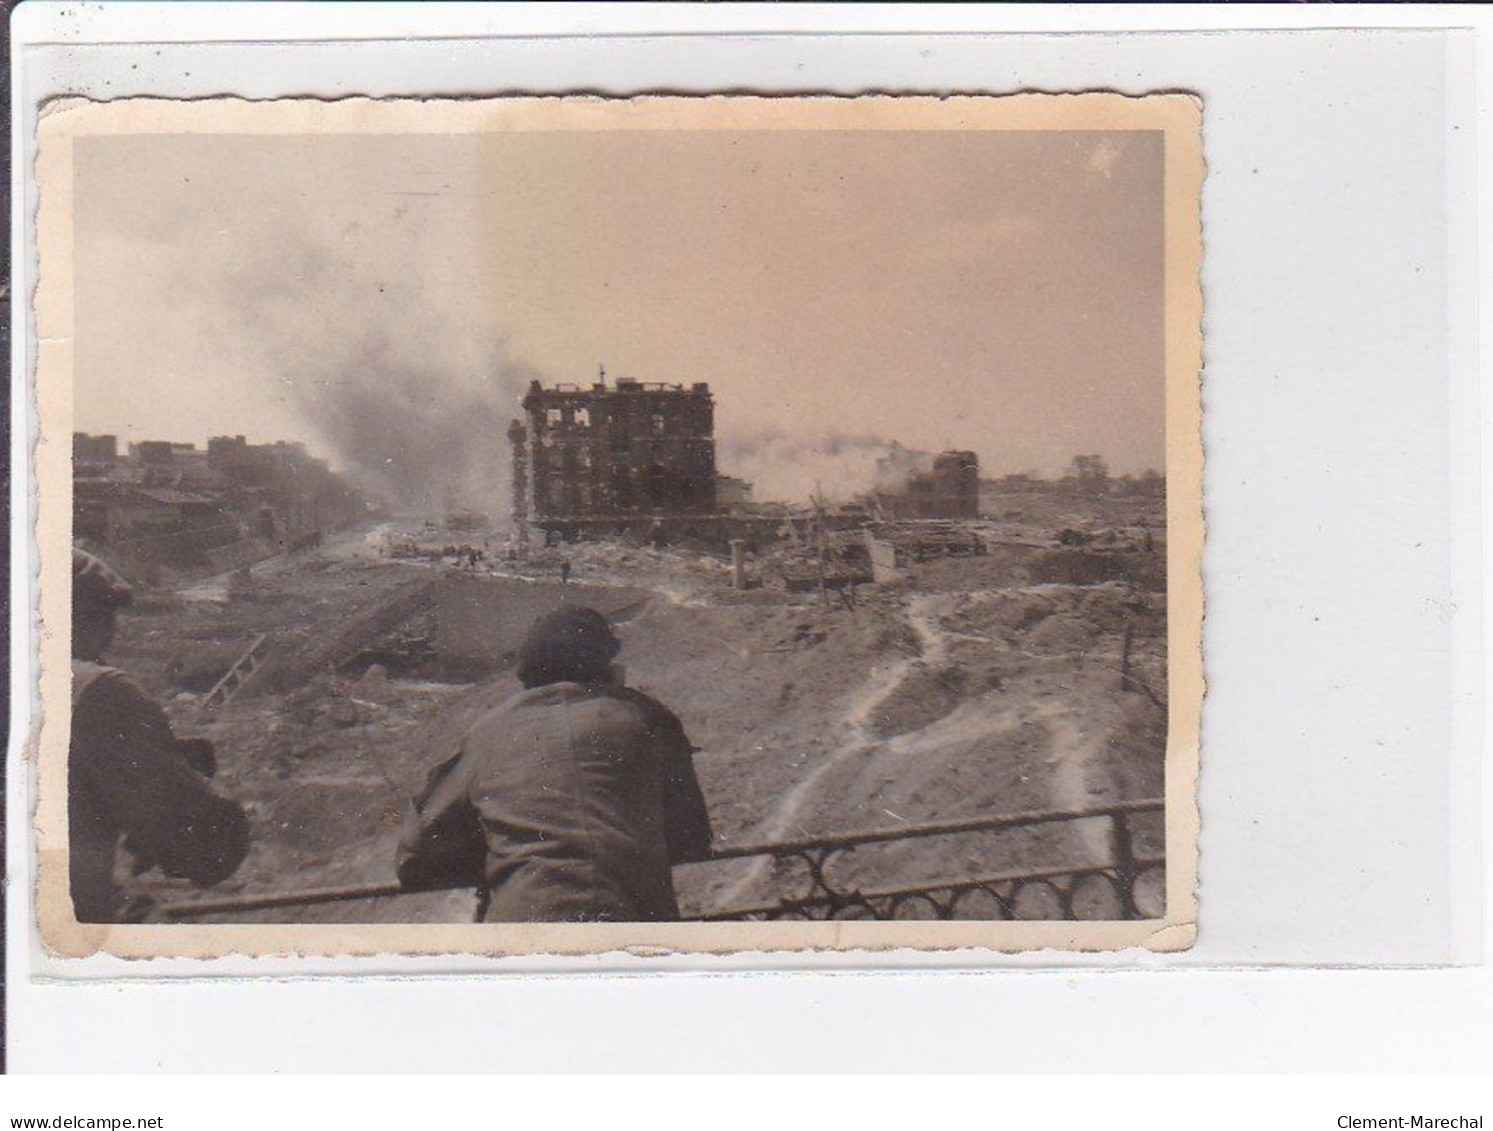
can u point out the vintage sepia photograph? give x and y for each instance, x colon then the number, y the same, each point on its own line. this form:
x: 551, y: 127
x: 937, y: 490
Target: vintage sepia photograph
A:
x: 566, y: 525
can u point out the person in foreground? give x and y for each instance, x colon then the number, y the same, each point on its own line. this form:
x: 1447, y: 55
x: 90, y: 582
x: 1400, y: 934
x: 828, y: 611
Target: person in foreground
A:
x: 571, y: 801
x: 129, y: 778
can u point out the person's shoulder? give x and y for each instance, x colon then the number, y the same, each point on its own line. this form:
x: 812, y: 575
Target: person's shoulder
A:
x: 547, y: 695
x: 654, y: 713
x: 99, y: 683
x: 530, y: 699
x: 611, y: 698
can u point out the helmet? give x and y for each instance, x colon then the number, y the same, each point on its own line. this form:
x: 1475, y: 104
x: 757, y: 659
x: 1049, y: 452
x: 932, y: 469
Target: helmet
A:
x: 572, y: 644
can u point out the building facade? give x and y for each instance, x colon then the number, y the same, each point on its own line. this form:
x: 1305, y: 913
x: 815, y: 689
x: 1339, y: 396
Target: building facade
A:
x: 627, y: 451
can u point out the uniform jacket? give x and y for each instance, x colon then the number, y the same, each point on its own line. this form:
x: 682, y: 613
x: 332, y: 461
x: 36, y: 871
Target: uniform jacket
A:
x: 567, y: 803
x: 129, y: 778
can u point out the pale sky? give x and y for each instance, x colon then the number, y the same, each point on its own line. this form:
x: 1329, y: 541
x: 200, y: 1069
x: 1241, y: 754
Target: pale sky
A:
x: 385, y: 298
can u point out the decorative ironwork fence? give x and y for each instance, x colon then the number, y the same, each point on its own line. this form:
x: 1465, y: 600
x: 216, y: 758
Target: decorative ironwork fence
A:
x: 1129, y: 885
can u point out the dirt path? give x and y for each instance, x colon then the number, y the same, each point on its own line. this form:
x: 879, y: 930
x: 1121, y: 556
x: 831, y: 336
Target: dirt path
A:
x: 921, y: 612
x: 997, y: 749
x: 1075, y: 752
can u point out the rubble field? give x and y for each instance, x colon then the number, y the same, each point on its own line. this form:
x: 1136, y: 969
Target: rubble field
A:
x: 992, y: 684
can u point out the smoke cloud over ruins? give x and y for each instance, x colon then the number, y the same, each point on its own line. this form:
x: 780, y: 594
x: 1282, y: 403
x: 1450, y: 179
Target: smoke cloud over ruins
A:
x: 341, y: 328
x: 790, y: 468
x: 408, y: 395
x: 413, y: 278
x: 425, y: 435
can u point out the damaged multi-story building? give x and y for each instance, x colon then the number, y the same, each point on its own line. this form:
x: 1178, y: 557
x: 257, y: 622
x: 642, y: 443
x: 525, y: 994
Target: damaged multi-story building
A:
x: 606, y: 459
x: 165, y: 507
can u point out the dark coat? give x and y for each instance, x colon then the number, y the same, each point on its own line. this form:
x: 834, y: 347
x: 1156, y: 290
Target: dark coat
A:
x: 129, y: 778
x: 567, y: 803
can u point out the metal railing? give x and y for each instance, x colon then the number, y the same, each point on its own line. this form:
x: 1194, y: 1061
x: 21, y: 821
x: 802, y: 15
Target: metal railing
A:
x: 1129, y: 885
x: 1126, y: 886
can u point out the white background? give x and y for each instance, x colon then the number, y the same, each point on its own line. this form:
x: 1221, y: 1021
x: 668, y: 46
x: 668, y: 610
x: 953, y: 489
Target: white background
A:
x: 1343, y: 725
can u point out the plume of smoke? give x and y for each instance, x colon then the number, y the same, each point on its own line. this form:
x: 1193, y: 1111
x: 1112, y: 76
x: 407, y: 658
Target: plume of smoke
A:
x: 402, y: 376
x: 426, y: 436
x: 899, y: 467
x: 788, y: 468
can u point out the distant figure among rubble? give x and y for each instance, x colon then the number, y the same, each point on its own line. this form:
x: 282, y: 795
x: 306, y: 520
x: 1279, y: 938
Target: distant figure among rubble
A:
x: 129, y: 777
x: 570, y: 802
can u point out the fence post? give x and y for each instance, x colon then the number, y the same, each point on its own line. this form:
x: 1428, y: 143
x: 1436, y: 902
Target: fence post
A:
x: 1124, y: 863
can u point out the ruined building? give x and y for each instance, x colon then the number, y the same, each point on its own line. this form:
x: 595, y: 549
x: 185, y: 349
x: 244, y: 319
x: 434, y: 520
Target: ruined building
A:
x: 95, y: 449
x: 605, y: 458
x: 167, y: 506
x: 912, y: 484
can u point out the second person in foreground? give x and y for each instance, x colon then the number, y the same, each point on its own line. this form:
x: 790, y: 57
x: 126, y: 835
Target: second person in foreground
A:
x: 570, y: 802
